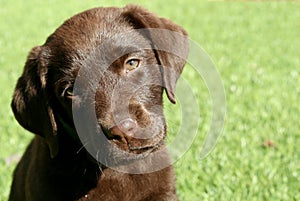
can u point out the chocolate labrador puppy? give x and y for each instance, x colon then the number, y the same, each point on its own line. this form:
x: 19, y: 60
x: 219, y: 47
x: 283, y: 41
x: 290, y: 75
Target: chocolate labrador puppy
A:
x: 92, y: 94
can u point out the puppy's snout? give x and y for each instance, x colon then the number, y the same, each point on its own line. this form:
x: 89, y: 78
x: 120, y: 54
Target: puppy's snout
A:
x: 126, y: 128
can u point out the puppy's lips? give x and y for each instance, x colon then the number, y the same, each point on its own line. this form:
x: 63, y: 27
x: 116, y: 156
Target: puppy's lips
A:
x: 147, y: 148
x: 137, y: 149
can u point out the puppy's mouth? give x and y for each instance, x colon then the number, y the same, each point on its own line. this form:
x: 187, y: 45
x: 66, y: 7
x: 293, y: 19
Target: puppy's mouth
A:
x: 146, y: 149
x: 131, y: 145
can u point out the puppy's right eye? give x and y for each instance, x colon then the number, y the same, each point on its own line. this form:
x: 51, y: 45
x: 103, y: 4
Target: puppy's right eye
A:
x: 68, y: 93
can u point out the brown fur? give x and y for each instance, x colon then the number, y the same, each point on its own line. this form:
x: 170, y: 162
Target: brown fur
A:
x: 54, y: 166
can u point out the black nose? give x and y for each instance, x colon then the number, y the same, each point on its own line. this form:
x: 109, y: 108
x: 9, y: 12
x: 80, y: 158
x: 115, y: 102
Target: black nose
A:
x: 124, y: 129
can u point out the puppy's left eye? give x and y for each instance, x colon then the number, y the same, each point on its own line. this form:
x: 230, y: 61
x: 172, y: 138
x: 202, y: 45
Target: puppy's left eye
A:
x: 131, y: 64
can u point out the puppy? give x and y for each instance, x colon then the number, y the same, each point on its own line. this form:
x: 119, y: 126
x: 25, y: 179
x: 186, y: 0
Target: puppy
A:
x: 92, y: 95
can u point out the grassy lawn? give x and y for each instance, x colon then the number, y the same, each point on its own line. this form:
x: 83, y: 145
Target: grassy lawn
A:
x: 255, y: 47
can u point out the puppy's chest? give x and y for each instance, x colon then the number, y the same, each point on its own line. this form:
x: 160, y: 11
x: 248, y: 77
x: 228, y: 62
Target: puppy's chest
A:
x: 121, y: 187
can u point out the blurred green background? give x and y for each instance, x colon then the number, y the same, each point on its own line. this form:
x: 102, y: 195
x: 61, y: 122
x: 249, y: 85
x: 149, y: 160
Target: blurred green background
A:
x: 255, y: 46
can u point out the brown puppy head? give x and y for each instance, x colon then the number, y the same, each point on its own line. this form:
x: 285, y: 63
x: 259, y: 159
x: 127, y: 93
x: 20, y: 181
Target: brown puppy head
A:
x: 119, y: 67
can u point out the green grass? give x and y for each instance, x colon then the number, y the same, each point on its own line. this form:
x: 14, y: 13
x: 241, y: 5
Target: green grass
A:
x: 255, y: 47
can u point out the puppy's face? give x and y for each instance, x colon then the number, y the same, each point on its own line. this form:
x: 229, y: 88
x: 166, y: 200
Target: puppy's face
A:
x: 119, y: 81
x: 103, y: 79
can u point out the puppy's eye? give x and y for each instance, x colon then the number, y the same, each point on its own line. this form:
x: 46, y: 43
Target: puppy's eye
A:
x: 131, y: 64
x: 68, y: 93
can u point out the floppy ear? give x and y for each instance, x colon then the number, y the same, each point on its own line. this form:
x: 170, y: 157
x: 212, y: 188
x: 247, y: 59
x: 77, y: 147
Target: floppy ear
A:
x: 30, y: 100
x: 169, y: 42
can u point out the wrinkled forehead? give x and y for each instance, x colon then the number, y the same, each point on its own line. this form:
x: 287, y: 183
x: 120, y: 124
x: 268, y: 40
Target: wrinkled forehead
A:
x: 114, y: 47
x: 119, y: 43
x: 103, y: 39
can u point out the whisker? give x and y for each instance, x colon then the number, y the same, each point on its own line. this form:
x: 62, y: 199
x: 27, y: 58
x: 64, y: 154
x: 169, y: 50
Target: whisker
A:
x: 83, y: 146
x: 99, y: 164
